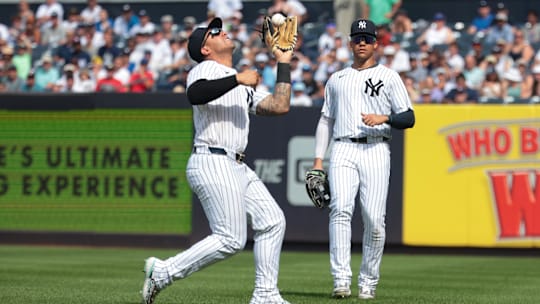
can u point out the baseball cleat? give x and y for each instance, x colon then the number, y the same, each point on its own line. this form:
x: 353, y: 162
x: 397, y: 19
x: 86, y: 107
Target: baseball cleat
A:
x: 366, y: 294
x: 341, y: 291
x: 150, y: 288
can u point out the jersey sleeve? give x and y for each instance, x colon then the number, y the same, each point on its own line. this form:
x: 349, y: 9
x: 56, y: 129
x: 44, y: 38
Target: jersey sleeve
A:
x: 205, y: 70
x: 399, y: 98
x: 328, y: 105
x: 254, y: 98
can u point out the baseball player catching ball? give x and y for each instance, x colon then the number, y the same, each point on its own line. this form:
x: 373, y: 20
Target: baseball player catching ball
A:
x: 231, y: 194
x: 362, y: 103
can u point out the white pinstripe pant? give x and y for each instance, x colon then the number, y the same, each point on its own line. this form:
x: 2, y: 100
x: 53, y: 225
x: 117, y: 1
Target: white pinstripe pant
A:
x: 364, y: 169
x: 232, y: 195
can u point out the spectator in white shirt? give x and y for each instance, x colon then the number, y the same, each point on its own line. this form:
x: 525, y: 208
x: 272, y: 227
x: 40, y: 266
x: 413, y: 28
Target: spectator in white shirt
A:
x: 145, y: 25
x: 225, y: 9
x: 45, y: 10
x: 91, y: 12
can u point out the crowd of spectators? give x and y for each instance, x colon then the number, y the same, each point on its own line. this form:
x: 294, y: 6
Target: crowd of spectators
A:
x: 490, y: 58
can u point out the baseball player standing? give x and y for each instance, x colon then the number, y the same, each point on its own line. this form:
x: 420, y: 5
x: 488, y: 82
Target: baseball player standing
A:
x: 231, y: 194
x: 362, y: 103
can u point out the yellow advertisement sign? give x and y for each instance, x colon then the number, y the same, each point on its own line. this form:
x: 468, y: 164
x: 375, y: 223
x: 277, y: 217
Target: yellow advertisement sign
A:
x: 472, y: 176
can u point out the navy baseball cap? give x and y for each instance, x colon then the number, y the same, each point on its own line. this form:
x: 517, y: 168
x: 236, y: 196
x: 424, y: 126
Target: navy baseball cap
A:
x: 363, y: 27
x: 197, y: 38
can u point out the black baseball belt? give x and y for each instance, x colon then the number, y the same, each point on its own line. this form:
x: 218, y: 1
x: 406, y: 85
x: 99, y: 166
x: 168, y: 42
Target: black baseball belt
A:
x: 239, y: 157
x: 364, y: 140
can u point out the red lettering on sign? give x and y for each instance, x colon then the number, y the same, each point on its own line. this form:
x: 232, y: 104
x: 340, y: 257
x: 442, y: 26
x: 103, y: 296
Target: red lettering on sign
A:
x: 517, y: 204
x: 529, y: 140
x: 502, y: 141
x: 460, y: 144
x: 484, y: 141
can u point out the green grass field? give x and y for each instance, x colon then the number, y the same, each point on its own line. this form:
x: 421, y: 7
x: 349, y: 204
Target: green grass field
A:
x: 95, y: 275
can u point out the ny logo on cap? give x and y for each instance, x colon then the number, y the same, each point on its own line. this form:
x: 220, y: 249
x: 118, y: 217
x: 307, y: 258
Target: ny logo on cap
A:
x: 362, y: 24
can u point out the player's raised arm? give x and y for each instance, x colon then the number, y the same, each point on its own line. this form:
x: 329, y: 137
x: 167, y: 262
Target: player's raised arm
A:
x: 280, y: 101
x: 279, y: 33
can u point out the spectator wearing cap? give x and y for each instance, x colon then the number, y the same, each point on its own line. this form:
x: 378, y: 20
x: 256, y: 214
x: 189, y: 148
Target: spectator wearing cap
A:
x: 23, y: 59
x: 418, y: 72
x: 225, y: 9
x: 438, y: 33
x: 500, y: 30
x: 266, y: 70
x: 299, y: 98
x: 483, y: 19
x: 78, y: 55
x: 109, y: 51
x: 513, y: 86
x: 314, y: 89
x: 142, y: 80
x: 145, y: 26
x: 461, y: 93
x: 531, y: 28
x: 91, y: 12
x: 105, y: 22
x: 55, y: 33
x: 168, y: 28
x: 124, y: 23
x: 12, y: 81
x: 108, y: 83
x: 477, y: 49
x: 188, y: 25
x: 161, y: 57
x: 46, y: 74
x: 425, y: 96
x: 30, y: 84
x: 46, y: 10
x: 326, y: 41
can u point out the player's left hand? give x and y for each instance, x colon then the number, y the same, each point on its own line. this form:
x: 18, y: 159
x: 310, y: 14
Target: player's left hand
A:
x: 374, y: 119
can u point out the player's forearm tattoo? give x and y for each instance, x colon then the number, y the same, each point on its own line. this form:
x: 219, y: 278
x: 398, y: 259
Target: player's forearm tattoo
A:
x: 277, y: 103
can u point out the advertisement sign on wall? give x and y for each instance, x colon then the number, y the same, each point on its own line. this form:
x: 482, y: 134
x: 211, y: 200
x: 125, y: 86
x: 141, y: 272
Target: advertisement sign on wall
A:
x: 109, y: 170
x: 472, y: 177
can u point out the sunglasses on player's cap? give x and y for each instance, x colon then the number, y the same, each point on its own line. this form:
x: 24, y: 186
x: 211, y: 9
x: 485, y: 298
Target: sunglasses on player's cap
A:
x: 198, y: 38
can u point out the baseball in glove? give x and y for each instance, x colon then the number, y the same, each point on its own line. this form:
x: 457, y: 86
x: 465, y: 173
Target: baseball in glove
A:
x: 282, y: 36
x: 317, y: 188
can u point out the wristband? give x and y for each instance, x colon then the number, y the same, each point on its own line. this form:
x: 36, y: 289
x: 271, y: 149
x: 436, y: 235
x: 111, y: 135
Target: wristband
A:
x: 283, y: 72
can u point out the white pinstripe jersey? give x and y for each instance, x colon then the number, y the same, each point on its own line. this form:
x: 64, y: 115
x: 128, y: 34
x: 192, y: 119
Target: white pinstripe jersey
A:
x: 223, y: 122
x: 375, y: 90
